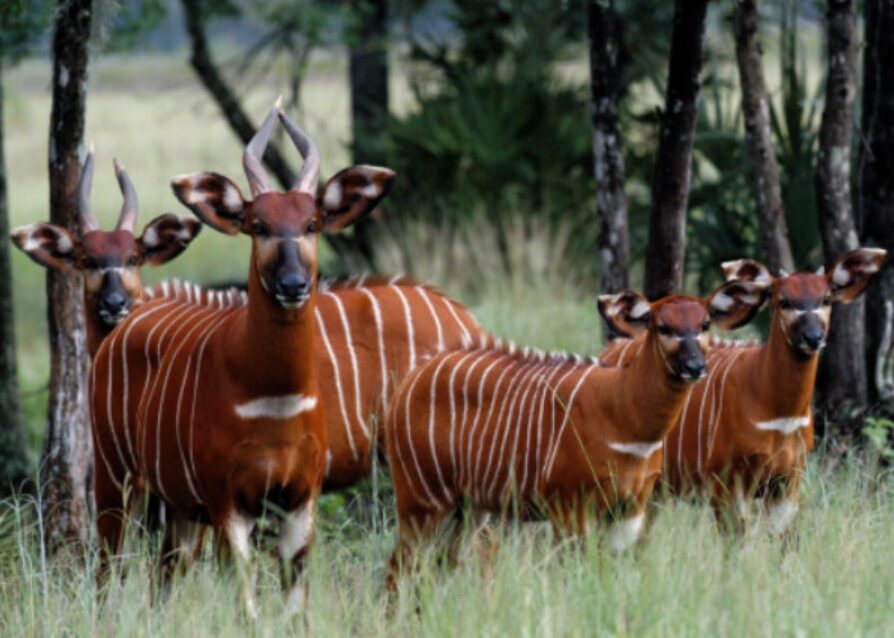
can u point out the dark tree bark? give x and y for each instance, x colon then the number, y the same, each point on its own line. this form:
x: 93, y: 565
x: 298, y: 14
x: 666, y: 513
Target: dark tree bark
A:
x: 13, y: 447
x: 842, y: 376
x: 772, y: 226
x: 205, y: 67
x: 66, y: 466
x: 608, y: 151
x: 666, y: 248
x: 369, y: 93
x: 876, y: 194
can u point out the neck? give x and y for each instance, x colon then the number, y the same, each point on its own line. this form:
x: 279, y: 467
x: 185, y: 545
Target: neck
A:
x: 788, y: 375
x: 275, y: 344
x: 650, y: 399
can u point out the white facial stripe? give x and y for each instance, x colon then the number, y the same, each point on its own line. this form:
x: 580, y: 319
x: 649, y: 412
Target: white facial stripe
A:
x: 784, y: 425
x: 281, y: 407
x: 642, y: 450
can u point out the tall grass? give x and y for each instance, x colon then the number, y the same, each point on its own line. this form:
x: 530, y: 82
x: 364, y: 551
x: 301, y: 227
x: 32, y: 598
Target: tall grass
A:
x: 833, y: 577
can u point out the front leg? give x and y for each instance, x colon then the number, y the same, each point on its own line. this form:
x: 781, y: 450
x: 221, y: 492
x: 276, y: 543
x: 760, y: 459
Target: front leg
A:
x: 294, y: 542
x: 782, y: 504
x: 237, y: 530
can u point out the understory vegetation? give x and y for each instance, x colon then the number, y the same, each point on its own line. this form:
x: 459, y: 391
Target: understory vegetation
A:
x: 831, y: 577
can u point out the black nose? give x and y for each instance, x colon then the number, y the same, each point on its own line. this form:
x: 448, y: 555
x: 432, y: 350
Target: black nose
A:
x: 813, y: 338
x: 693, y: 369
x: 292, y: 286
x: 114, y: 302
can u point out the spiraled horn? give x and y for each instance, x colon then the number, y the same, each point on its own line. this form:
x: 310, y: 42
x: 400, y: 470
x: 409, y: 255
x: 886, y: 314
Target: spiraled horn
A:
x: 85, y: 212
x: 252, y: 158
x: 307, y: 179
x: 127, y: 219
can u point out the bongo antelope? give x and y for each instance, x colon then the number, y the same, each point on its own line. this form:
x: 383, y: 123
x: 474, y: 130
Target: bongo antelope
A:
x: 549, y: 435
x: 109, y: 261
x: 212, y: 400
x: 746, y: 429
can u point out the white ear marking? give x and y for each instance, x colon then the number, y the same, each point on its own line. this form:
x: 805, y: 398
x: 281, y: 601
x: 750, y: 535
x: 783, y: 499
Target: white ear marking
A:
x: 640, y: 309
x: 332, y: 198
x: 722, y: 302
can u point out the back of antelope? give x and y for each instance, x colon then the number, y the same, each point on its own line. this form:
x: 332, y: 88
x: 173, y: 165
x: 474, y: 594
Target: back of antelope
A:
x: 746, y: 429
x: 211, y: 400
x: 548, y: 435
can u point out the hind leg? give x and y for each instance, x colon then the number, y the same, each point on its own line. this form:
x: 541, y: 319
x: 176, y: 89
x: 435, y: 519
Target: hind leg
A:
x: 110, y: 521
x: 417, y: 523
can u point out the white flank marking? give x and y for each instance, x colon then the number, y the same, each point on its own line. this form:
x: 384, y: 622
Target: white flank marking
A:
x: 461, y: 467
x: 433, y: 391
x: 96, y: 437
x: 783, y: 425
x: 434, y: 316
x: 568, y: 406
x: 624, y: 534
x: 468, y: 458
x: 553, y: 393
x: 452, y: 394
x: 380, y: 330
x: 530, y: 382
x: 337, y: 373
x: 355, y: 368
x: 467, y: 337
x: 276, y: 407
x: 432, y: 500
x: 642, y: 450
x: 543, y: 391
x: 411, y: 337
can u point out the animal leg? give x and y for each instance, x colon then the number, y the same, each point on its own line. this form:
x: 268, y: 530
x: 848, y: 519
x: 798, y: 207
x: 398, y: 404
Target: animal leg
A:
x: 294, y: 542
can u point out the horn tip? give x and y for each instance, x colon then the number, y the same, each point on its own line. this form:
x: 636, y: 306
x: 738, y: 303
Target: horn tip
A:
x: 278, y: 104
x: 91, y: 148
x: 118, y: 167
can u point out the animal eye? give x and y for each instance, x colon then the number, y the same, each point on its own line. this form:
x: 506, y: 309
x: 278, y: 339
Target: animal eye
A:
x: 664, y: 330
x: 313, y: 227
x: 827, y: 300
x: 90, y: 263
x: 785, y: 304
x: 705, y: 325
x: 132, y: 262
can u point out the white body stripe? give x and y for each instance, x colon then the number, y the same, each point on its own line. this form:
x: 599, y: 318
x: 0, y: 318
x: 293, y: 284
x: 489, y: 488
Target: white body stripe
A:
x: 434, y: 315
x: 380, y: 333
x: 411, y: 336
x: 555, y: 449
x: 349, y: 343
x: 338, y: 386
x: 276, y: 407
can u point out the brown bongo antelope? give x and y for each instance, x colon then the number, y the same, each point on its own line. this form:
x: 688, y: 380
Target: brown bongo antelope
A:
x: 746, y: 429
x: 549, y: 435
x: 371, y: 332
x: 212, y: 400
x: 109, y: 261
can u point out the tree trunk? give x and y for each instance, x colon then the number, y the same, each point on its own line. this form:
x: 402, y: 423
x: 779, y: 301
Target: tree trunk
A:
x: 876, y: 195
x: 232, y: 110
x: 369, y: 93
x: 608, y: 151
x: 13, y: 448
x: 66, y: 467
x: 666, y: 248
x: 772, y: 226
x: 220, y: 91
x: 842, y: 375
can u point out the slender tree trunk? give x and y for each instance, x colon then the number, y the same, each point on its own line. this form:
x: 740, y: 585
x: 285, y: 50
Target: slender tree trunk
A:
x: 13, y: 448
x: 772, y: 226
x: 876, y: 195
x: 608, y: 151
x: 220, y: 91
x: 666, y: 250
x: 66, y: 467
x: 369, y: 93
x: 228, y: 102
x: 842, y: 374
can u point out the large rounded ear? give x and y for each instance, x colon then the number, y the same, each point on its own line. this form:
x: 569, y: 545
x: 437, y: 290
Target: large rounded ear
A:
x: 735, y: 303
x: 746, y: 270
x: 626, y: 313
x: 167, y: 236
x: 49, y: 245
x: 213, y: 198
x: 851, y: 274
x: 352, y: 193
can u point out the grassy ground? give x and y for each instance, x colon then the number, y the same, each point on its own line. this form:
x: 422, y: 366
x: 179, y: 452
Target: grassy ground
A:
x: 833, y: 577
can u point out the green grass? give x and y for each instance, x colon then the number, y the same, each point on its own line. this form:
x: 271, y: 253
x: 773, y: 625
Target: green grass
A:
x: 833, y: 577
